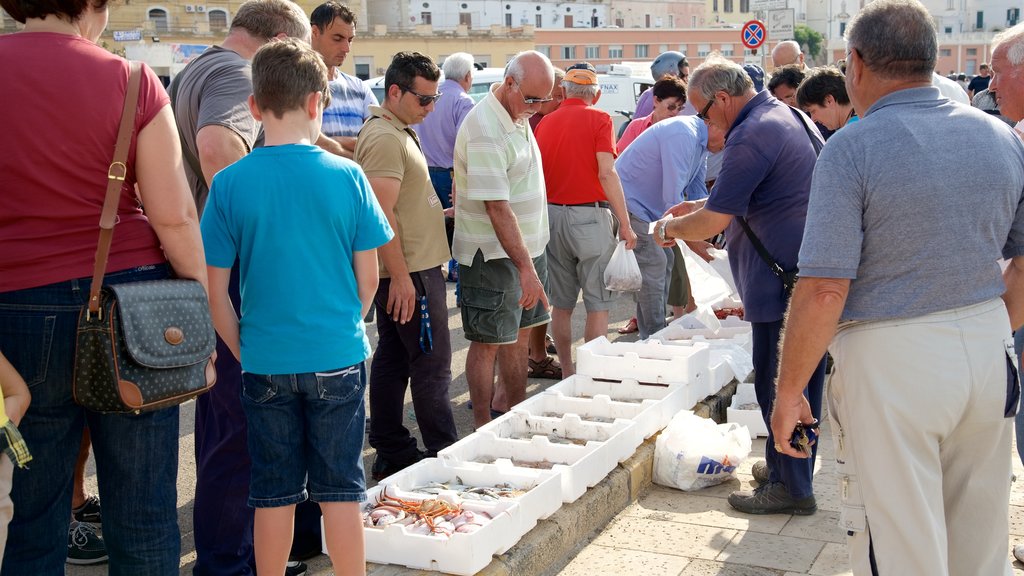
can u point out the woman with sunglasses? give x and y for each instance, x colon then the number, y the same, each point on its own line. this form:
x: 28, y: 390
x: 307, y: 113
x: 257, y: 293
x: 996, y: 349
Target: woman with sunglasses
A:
x: 669, y: 99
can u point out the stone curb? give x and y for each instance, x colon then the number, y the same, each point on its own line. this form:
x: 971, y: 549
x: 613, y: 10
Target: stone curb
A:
x: 553, y: 542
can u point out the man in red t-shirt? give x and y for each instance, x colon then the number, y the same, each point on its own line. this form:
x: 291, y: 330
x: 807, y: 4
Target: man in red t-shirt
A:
x: 577, y: 147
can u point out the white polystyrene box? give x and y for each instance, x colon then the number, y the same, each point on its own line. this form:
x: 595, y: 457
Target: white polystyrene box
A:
x: 648, y: 361
x: 688, y: 326
x: 521, y: 425
x: 668, y: 399
x: 735, y: 352
x: 462, y: 554
x: 542, y: 499
x: 579, y: 467
x: 750, y: 418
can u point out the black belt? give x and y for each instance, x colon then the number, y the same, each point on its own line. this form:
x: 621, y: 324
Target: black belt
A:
x: 593, y: 204
x: 439, y: 169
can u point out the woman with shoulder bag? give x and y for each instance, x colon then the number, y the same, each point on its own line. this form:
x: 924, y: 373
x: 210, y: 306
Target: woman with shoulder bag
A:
x: 63, y: 100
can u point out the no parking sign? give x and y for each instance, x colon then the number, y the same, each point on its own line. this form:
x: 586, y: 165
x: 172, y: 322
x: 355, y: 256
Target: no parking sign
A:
x: 753, y: 34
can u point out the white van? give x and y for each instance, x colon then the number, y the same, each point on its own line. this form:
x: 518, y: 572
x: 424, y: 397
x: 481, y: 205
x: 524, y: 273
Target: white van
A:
x: 620, y: 89
x: 482, y: 80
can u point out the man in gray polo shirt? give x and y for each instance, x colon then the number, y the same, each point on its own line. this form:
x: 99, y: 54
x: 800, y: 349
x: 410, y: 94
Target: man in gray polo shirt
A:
x: 903, y: 258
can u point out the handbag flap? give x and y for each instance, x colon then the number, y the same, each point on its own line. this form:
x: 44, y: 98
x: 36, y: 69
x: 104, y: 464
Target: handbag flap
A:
x: 166, y: 323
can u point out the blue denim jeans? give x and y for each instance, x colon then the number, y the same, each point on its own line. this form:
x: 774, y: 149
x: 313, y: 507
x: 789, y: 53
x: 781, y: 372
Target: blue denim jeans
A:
x: 306, y: 429
x: 796, y: 474
x: 136, y: 455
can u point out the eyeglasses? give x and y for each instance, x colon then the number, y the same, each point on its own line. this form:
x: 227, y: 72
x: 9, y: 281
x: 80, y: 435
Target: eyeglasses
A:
x: 673, y: 107
x: 703, y: 114
x: 425, y: 100
x: 530, y: 101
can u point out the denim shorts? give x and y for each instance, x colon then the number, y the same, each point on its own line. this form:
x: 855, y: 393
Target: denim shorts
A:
x: 305, y: 430
x: 490, y: 300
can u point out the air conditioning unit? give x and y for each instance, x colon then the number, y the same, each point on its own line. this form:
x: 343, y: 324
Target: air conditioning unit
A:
x: 200, y: 9
x: 190, y: 8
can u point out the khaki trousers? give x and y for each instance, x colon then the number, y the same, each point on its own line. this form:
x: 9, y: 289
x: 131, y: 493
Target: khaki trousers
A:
x: 922, y: 442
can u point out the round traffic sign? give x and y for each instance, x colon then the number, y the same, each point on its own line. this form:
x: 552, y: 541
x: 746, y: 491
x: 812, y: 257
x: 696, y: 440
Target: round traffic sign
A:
x: 753, y: 34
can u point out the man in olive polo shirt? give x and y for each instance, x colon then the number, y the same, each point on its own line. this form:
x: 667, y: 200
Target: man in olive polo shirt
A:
x: 411, y: 349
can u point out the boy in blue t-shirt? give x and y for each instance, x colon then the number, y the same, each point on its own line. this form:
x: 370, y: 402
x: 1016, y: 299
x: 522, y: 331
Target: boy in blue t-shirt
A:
x: 304, y: 226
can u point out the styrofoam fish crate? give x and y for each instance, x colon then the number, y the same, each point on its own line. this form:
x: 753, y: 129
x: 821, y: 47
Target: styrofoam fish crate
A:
x: 461, y: 553
x: 649, y: 361
x: 669, y: 400
x: 752, y: 419
x: 543, y: 487
x: 599, y: 409
x: 579, y: 467
x: 569, y: 428
x: 728, y: 359
x: 689, y: 326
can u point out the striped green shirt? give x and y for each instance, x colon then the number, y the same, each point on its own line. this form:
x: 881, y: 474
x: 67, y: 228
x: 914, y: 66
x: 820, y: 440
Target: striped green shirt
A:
x: 497, y: 159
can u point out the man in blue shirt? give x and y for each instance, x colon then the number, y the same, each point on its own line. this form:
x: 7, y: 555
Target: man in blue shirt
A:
x: 766, y: 177
x: 437, y: 131
x: 664, y: 166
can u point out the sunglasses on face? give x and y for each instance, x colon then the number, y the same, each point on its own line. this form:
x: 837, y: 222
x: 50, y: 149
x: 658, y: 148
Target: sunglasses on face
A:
x: 703, y: 114
x: 424, y: 100
x: 530, y: 101
x: 673, y: 107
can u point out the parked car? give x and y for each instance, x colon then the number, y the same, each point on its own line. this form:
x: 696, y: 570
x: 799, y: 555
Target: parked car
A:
x: 482, y: 80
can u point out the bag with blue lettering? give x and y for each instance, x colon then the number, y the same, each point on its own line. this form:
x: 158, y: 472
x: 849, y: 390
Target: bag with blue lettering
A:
x: 693, y: 452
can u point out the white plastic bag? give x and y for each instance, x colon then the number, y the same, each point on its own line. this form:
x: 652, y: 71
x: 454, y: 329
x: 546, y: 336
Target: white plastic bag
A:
x: 694, y: 452
x: 622, y: 273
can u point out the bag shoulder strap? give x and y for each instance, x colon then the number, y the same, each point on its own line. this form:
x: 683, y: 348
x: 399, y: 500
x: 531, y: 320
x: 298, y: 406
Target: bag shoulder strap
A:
x: 115, y: 179
x: 193, y: 162
x: 762, y: 251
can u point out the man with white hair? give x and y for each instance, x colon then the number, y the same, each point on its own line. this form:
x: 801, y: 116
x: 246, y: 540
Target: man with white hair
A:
x: 1008, y: 74
x: 577, y: 145
x: 924, y: 388
x: 437, y: 131
x: 1007, y: 86
x: 761, y: 197
x: 788, y: 52
x: 501, y: 230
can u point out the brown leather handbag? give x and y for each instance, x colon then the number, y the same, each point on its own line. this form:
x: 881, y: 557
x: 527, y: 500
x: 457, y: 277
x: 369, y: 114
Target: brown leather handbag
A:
x: 140, y: 345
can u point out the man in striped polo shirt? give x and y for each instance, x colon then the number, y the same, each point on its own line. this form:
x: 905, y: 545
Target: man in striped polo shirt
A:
x: 501, y: 230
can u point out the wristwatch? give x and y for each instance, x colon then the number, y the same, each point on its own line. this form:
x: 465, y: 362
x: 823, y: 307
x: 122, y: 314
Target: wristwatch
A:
x: 659, y: 231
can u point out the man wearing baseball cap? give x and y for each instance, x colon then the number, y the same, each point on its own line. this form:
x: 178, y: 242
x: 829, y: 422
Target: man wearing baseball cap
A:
x: 577, y: 146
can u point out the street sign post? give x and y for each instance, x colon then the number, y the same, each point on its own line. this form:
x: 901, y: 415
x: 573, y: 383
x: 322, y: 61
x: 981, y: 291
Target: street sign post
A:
x: 753, y: 34
x: 781, y: 24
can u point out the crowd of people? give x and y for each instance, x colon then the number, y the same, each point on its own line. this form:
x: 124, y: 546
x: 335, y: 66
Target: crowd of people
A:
x: 307, y: 208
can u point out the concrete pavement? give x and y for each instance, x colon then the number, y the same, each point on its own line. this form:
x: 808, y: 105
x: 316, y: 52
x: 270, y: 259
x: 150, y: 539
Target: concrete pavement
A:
x: 625, y: 524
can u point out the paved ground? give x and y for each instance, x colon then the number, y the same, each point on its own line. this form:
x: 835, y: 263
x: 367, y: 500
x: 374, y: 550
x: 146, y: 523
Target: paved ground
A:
x: 666, y: 532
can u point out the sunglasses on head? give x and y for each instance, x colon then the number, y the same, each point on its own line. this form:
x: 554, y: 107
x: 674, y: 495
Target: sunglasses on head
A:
x: 425, y: 100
